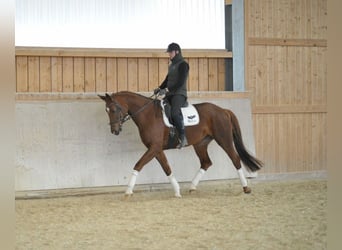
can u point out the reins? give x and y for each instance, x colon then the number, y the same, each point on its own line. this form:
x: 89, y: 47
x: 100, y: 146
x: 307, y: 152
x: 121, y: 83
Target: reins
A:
x: 128, y: 116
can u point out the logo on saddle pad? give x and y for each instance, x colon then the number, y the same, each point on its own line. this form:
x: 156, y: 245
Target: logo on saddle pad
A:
x: 190, y: 114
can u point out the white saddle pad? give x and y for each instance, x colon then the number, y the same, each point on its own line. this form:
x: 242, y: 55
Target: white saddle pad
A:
x: 190, y: 115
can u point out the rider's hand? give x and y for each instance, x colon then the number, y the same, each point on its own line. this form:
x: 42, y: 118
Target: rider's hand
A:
x: 163, y: 91
x: 156, y: 91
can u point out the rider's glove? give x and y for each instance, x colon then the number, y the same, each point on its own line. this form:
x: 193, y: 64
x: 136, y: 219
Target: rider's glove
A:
x: 163, y: 91
x: 156, y: 91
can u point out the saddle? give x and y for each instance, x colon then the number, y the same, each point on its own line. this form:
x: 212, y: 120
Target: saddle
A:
x: 189, y: 112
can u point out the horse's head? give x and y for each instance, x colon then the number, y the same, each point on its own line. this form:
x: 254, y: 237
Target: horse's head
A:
x: 115, y: 114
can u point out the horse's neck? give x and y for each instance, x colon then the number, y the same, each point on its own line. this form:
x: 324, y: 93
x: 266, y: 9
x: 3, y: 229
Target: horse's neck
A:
x: 135, y: 103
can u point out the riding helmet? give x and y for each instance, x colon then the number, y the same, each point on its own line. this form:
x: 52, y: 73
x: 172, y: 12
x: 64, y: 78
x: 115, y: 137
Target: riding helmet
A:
x: 173, y: 46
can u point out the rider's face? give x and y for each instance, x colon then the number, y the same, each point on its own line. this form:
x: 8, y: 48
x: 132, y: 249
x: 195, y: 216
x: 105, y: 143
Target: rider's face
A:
x: 172, y: 54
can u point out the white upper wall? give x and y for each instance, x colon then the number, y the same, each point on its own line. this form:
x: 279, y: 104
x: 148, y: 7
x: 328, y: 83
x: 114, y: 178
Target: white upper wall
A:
x: 195, y: 24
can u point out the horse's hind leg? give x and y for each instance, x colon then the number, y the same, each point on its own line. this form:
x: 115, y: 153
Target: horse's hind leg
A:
x: 202, y: 153
x: 233, y: 155
x: 167, y: 169
x: 237, y: 163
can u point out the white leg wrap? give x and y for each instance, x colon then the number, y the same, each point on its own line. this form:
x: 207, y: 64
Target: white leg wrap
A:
x: 175, y: 185
x: 131, y: 182
x: 242, y: 177
x: 197, y: 178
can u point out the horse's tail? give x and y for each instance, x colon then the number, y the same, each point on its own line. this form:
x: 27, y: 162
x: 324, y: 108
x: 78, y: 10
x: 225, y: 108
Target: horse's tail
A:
x: 250, y: 161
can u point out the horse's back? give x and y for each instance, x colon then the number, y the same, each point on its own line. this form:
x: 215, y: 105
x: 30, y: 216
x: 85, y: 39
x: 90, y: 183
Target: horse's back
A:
x: 207, y: 107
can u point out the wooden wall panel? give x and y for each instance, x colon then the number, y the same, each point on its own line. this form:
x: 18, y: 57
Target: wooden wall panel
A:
x: 45, y: 74
x: 213, y: 74
x: 56, y: 74
x: 203, y: 79
x: 79, y: 74
x: 193, y: 75
x: 318, y: 71
x: 100, y: 74
x: 112, y: 79
x: 132, y: 79
x: 287, y: 77
x: 291, y: 142
x: 306, y: 19
x: 143, y: 74
x: 153, y: 74
x: 33, y: 74
x: 68, y: 71
x: 163, y: 69
x: 68, y: 74
x: 89, y: 74
x: 319, y: 142
x: 122, y: 74
x: 221, y: 75
x: 21, y: 73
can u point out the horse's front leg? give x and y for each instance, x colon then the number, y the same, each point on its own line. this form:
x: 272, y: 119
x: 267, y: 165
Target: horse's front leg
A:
x: 167, y: 169
x: 147, y: 156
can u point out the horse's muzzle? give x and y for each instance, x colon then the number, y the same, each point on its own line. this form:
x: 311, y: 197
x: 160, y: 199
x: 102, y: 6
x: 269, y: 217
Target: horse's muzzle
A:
x: 116, y: 131
x: 115, y: 128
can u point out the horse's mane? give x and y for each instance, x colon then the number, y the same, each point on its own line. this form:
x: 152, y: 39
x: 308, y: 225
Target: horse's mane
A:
x: 145, y: 99
x: 125, y: 93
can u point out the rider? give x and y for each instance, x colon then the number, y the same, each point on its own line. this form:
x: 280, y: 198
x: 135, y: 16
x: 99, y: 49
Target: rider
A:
x: 174, y: 88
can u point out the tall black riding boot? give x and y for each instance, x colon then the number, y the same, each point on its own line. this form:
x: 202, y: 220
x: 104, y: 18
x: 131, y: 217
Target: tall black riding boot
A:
x: 181, y: 132
x: 183, y: 140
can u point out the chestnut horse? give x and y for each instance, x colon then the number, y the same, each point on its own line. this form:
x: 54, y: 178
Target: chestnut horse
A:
x: 215, y: 123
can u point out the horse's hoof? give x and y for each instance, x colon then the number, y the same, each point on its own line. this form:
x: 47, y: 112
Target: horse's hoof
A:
x: 192, y: 190
x: 178, y: 196
x: 127, y: 196
x: 247, y: 190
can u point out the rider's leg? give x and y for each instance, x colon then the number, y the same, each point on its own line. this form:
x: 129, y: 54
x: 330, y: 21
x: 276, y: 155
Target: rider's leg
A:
x: 179, y: 124
x: 176, y: 103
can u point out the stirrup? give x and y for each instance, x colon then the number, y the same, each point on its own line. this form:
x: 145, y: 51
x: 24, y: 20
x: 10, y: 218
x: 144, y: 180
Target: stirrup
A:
x: 182, y: 143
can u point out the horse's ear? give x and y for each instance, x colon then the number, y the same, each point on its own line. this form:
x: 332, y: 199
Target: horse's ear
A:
x: 102, y: 97
x: 106, y: 97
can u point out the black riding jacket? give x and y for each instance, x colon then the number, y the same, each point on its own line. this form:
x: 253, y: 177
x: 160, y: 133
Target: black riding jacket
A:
x: 177, y: 76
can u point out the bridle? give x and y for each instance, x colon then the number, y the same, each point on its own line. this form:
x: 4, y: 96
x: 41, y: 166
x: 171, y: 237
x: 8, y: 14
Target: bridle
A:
x: 125, y: 117
x: 121, y: 116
